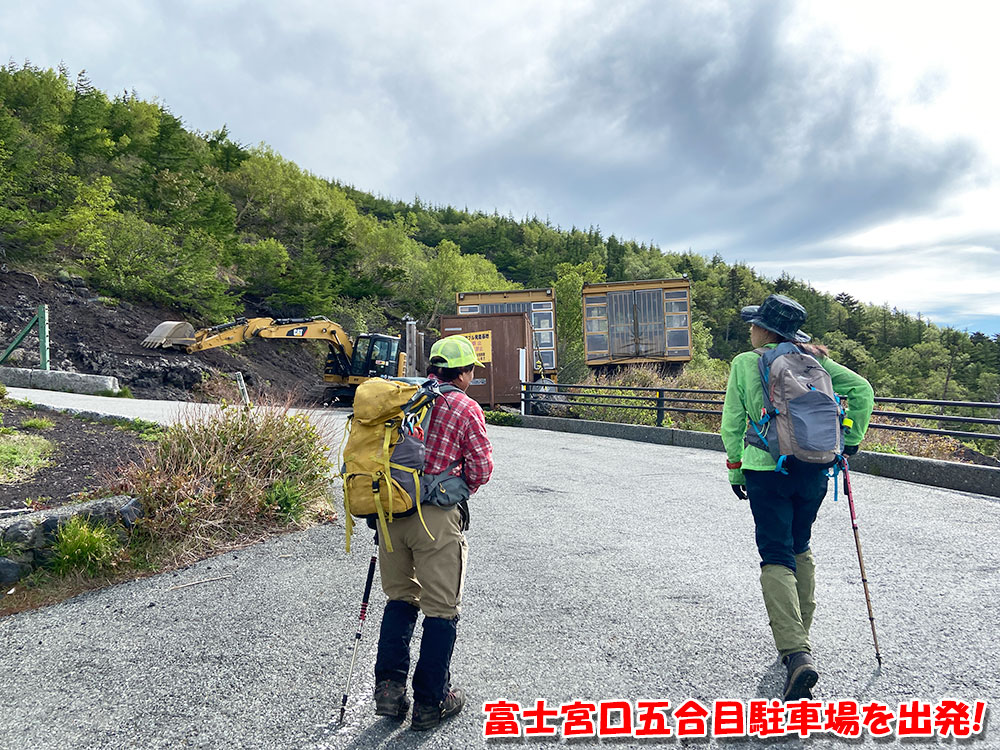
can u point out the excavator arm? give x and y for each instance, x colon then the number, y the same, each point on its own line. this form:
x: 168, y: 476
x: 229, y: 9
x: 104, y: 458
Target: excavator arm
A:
x: 183, y: 336
x: 378, y: 354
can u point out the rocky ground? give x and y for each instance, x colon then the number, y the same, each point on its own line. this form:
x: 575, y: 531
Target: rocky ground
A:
x: 97, y: 335
x: 83, y: 452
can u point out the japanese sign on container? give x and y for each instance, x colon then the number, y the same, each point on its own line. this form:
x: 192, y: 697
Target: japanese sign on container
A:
x: 482, y: 343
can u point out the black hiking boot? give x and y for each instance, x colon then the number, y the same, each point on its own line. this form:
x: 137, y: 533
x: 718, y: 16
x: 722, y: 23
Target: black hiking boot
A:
x: 428, y: 717
x: 391, y: 700
x: 802, y: 675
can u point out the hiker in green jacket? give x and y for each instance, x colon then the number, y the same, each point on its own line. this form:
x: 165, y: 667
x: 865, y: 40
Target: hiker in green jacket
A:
x: 784, y: 499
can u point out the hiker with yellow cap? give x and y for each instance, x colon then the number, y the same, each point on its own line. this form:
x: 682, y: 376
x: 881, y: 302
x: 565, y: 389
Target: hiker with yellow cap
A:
x: 425, y: 569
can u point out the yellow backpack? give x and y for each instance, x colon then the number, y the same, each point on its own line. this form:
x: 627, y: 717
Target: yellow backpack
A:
x: 383, y: 456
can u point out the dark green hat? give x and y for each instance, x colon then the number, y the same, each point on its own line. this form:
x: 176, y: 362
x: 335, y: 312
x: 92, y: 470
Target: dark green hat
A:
x: 779, y: 314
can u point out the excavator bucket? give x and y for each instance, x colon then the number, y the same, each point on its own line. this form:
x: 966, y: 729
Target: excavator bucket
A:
x: 170, y: 333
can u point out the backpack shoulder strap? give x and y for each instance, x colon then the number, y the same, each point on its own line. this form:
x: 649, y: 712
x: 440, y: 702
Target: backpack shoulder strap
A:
x: 758, y: 438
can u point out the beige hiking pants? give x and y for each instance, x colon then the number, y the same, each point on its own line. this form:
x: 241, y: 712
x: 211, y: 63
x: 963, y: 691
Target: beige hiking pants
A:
x: 427, y: 573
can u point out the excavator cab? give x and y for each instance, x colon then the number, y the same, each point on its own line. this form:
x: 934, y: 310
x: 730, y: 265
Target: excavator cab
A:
x: 375, y: 356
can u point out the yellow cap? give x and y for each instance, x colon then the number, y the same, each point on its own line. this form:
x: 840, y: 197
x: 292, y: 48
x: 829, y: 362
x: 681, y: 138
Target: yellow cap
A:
x: 456, y: 351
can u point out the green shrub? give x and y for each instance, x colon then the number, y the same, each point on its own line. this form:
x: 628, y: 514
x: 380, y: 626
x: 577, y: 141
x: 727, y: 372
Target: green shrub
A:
x: 613, y: 408
x: 221, y: 479
x: 617, y: 409
x: 286, y: 497
x: 503, y: 418
x: 3, y: 391
x: 85, y: 548
x: 37, y: 423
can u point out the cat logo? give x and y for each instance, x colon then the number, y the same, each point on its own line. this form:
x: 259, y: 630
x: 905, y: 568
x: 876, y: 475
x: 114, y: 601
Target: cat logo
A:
x: 297, y: 332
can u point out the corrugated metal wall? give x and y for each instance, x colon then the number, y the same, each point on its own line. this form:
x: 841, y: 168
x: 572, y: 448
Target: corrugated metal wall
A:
x: 620, y: 324
x: 649, y: 321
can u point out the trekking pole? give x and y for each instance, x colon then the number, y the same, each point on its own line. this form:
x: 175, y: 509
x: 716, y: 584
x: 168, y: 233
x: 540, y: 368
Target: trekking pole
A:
x: 861, y: 559
x: 361, y: 624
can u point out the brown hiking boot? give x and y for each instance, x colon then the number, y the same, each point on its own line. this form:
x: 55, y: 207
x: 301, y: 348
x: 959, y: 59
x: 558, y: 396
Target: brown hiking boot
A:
x: 428, y: 716
x: 391, y: 700
x: 802, y: 675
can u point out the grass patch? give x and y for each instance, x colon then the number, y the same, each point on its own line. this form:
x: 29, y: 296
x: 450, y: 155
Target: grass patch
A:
x: 123, y: 392
x: 149, y: 431
x: 503, y: 418
x: 7, y: 549
x: 22, y: 455
x: 84, y: 548
x: 872, y: 447
x: 37, y: 423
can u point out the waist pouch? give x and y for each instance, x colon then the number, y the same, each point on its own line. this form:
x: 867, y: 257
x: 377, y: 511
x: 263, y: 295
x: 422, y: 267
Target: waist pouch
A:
x: 445, y: 491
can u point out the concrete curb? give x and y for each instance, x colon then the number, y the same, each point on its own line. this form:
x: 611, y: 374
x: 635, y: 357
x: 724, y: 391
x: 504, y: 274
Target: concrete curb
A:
x: 59, y: 380
x: 982, y: 480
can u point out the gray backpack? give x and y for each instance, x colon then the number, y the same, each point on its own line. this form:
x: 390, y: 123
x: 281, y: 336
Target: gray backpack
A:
x: 802, y: 415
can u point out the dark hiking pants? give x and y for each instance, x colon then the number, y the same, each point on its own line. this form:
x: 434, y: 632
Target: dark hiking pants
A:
x: 784, y: 507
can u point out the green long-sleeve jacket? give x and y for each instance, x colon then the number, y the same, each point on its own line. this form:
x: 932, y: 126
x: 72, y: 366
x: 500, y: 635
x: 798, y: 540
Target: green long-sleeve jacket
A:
x: 745, y: 396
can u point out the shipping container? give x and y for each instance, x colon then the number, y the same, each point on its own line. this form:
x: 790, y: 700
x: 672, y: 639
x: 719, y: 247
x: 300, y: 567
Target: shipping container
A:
x: 497, y: 339
x: 637, y: 322
x: 539, y: 304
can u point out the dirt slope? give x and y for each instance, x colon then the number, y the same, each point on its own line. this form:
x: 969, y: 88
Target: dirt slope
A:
x: 92, y: 336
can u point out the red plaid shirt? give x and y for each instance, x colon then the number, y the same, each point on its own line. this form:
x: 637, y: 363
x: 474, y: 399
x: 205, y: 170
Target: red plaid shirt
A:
x: 457, y: 432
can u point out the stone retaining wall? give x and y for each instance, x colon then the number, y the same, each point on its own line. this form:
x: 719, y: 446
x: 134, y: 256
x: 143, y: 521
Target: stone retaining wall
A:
x: 32, y: 535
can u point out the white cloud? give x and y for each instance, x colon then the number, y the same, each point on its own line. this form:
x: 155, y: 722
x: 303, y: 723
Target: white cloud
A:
x: 862, y: 135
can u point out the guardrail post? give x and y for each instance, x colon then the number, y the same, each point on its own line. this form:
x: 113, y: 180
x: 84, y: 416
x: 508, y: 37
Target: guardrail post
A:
x: 660, y: 404
x: 410, y: 368
x: 43, y: 337
x: 242, y: 385
x: 41, y: 319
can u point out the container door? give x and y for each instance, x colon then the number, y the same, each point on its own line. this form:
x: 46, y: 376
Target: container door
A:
x: 621, y: 324
x: 650, y: 341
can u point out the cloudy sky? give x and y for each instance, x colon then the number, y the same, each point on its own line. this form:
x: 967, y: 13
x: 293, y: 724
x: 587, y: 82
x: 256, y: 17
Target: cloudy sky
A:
x: 853, y: 144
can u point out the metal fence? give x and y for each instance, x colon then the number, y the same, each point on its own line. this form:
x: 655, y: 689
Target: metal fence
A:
x: 539, y: 396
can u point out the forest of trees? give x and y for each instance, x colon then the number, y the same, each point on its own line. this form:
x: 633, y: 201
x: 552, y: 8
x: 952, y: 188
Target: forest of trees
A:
x: 118, y: 190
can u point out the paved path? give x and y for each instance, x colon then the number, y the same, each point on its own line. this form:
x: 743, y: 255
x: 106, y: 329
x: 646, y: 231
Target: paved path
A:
x: 163, y: 412
x: 599, y: 568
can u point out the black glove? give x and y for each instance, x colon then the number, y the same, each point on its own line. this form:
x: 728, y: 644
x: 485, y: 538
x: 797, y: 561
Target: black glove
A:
x: 740, y: 490
x: 850, y: 450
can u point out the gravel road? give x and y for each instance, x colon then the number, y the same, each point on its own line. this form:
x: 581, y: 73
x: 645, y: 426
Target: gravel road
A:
x: 599, y: 569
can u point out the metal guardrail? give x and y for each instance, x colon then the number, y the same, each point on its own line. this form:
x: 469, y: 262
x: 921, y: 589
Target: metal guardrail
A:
x: 660, y: 400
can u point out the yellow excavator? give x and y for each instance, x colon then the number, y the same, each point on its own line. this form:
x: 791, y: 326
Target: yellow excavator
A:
x: 348, y: 364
